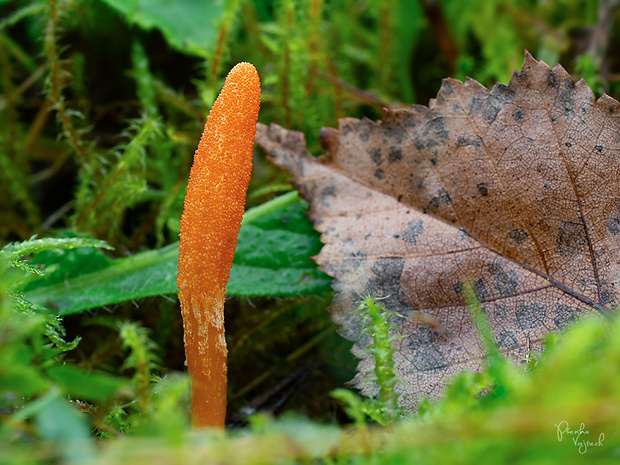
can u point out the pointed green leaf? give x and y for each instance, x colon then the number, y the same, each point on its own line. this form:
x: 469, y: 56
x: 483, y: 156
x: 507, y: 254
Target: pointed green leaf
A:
x: 272, y: 258
x: 187, y: 25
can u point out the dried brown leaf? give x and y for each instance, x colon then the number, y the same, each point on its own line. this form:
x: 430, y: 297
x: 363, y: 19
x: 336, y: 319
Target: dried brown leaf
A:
x: 515, y: 189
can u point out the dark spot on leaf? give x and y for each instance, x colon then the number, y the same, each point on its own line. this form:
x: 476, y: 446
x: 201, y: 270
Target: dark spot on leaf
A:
x: 599, y: 148
x: 428, y: 359
x: 567, y: 103
x: 329, y: 191
x: 358, y: 257
x: 436, y: 127
x: 552, y: 79
x: 500, y: 313
x: 481, y: 289
x: 299, y: 164
x: 372, y: 287
x: 507, y: 340
x: 389, y: 270
x: 441, y: 197
x: 518, y: 235
x: 364, y: 135
x: 446, y: 88
x: 613, y: 226
x: 408, y: 122
x: 505, y: 92
x: 412, y: 231
x: 424, y: 337
x: 564, y: 314
x: 395, y: 154
x: 399, y: 134
x: 505, y: 282
x: 434, y: 158
x: 419, y: 142
x: 482, y: 188
x: 530, y: 316
x: 490, y: 113
x: 375, y: 155
x: 379, y: 174
x: 568, y: 144
x: 462, y: 141
x: 458, y: 287
x: 476, y: 105
x: 518, y: 115
x: 571, y: 238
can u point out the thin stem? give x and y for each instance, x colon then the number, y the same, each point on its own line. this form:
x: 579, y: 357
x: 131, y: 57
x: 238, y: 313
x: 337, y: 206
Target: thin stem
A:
x: 55, y: 85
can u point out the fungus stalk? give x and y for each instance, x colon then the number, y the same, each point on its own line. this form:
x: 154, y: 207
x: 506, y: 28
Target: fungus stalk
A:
x: 212, y: 215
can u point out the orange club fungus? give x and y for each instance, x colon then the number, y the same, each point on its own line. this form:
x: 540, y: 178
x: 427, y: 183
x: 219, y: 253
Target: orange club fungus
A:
x: 213, y: 210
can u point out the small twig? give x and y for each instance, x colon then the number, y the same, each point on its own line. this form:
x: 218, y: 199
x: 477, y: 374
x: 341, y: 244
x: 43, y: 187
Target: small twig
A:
x: 362, y: 95
x: 434, y: 14
x: 599, y: 40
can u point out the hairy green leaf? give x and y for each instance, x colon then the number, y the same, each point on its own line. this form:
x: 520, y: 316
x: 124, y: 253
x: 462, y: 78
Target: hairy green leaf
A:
x: 275, y: 242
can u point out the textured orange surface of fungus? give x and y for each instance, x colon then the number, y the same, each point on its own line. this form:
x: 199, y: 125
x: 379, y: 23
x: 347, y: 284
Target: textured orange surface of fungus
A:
x: 213, y: 210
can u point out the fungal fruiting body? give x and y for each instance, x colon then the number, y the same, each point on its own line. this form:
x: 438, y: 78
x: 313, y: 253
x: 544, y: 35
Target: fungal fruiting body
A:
x: 213, y: 210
